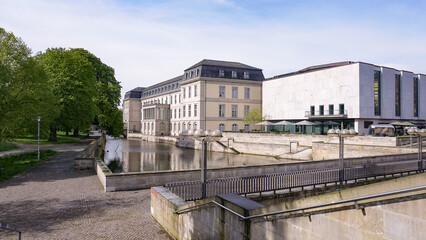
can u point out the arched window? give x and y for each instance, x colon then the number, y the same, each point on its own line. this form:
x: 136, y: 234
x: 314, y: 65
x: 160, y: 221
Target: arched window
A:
x: 189, y: 126
x: 195, y: 126
x: 234, y: 127
x: 247, y: 127
x: 183, y: 127
x: 222, y: 127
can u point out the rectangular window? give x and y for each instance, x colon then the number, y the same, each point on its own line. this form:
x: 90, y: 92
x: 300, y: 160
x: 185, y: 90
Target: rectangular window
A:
x: 222, y: 110
x: 197, y: 72
x: 189, y: 92
x: 184, y: 110
x: 189, y: 110
x: 234, y: 111
x: 312, y: 110
x: 246, y: 93
x: 331, y: 109
x: 397, y: 95
x: 246, y: 75
x: 191, y: 74
x: 184, y: 93
x: 234, y: 92
x: 195, y: 91
x: 246, y: 110
x: 195, y: 110
x: 179, y: 112
x: 416, y: 96
x: 221, y: 73
x: 234, y: 74
x: 341, y: 109
x: 221, y: 91
x: 321, y: 110
x: 175, y: 113
x: 377, y: 92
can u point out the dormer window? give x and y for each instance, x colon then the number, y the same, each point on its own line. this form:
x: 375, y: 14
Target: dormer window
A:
x: 191, y: 74
x: 246, y: 75
x: 186, y: 75
x: 234, y: 74
x: 221, y: 73
x: 197, y: 72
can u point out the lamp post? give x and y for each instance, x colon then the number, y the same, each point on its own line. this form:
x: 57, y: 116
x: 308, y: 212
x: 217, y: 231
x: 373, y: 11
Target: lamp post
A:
x: 38, y: 147
x: 205, y: 137
x: 420, y: 134
x: 341, y: 134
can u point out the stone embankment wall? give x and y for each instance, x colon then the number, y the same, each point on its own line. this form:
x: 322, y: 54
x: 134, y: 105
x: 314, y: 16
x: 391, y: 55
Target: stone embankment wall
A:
x: 392, y: 217
x: 85, y: 160
x: 325, y: 151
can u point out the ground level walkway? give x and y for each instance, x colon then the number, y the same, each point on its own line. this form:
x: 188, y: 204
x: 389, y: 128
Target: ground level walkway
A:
x: 54, y: 201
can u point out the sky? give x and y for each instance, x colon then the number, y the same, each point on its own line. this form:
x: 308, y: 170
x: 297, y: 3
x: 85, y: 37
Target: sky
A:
x: 147, y: 42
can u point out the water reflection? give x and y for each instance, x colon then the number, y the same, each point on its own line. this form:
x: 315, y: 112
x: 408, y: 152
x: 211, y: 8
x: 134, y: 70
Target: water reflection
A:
x: 142, y: 156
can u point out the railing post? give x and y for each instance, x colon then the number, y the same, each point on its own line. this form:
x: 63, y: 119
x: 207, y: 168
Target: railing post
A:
x: 341, y: 166
x: 420, y: 154
x: 204, y: 170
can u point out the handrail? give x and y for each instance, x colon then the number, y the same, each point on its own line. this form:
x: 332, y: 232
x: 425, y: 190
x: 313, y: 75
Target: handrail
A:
x: 8, y: 227
x: 355, y: 200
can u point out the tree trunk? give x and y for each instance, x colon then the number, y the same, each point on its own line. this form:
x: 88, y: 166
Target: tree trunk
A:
x: 52, y: 135
x: 75, y: 132
x: 66, y: 133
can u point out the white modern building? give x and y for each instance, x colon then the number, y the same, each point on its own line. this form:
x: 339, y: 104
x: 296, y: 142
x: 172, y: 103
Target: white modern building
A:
x: 356, y: 94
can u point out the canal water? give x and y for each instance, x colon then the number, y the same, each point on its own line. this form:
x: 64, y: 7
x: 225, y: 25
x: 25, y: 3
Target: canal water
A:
x: 131, y: 155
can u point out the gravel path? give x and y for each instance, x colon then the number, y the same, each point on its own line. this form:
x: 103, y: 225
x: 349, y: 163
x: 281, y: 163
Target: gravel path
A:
x: 54, y: 201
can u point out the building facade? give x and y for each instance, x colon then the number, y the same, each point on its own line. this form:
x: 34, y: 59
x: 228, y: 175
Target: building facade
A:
x: 132, y: 110
x: 352, y: 94
x: 209, y: 95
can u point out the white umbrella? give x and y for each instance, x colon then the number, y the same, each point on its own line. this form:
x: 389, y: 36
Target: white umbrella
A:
x: 264, y: 123
x: 284, y: 122
x: 305, y: 122
x: 330, y: 123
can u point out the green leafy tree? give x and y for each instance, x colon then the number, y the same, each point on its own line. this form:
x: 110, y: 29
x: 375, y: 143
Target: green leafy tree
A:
x: 108, y: 91
x: 254, y: 116
x: 24, y: 90
x: 74, y: 84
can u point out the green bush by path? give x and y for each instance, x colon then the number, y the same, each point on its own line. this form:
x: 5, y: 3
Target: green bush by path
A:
x: 12, y: 164
x: 62, y: 138
x: 4, y: 146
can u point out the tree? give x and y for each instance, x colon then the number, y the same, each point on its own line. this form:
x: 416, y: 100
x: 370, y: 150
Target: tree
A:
x: 108, y: 91
x: 24, y: 90
x: 74, y: 83
x: 254, y: 116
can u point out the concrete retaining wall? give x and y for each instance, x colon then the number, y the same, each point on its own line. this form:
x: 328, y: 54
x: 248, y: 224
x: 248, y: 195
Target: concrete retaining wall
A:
x: 325, y: 151
x: 205, y: 223
x: 132, y: 181
x: 393, y: 217
x: 85, y: 159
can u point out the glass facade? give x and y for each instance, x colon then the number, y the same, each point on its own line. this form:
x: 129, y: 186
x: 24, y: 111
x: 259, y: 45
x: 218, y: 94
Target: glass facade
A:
x: 377, y: 93
x: 331, y: 109
x: 416, y: 97
x: 397, y: 95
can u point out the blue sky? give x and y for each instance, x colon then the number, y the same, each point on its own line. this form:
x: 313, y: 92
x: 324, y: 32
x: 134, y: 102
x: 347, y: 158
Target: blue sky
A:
x: 151, y: 41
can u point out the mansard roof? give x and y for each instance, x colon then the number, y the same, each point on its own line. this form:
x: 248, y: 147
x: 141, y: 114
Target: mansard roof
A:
x: 218, y: 63
x: 134, y: 93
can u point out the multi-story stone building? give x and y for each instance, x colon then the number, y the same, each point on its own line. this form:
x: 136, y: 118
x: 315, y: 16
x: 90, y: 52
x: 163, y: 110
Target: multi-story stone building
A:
x: 132, y: 110
x: 209, y: 95
x: 356, y: 94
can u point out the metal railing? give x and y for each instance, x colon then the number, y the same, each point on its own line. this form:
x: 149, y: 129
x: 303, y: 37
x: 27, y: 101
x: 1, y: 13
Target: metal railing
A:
x: 312, y: 207
x: 10, y: 228
x: 327, y: 113
x: 191, y: 190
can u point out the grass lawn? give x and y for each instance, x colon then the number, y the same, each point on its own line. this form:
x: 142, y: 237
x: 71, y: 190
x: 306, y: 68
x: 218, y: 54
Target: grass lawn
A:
x: 4, y: 146
x: 12, y: 164
x: 62, y: 138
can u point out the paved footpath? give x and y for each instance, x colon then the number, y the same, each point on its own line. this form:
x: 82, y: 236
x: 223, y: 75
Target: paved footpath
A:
x: 54, y: 201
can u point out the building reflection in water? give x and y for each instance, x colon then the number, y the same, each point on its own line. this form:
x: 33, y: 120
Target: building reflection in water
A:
x: 142, y: 156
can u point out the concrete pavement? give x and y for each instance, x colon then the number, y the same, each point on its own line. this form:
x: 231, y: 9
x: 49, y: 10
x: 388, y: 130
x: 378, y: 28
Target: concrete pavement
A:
x: 54, y: 201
